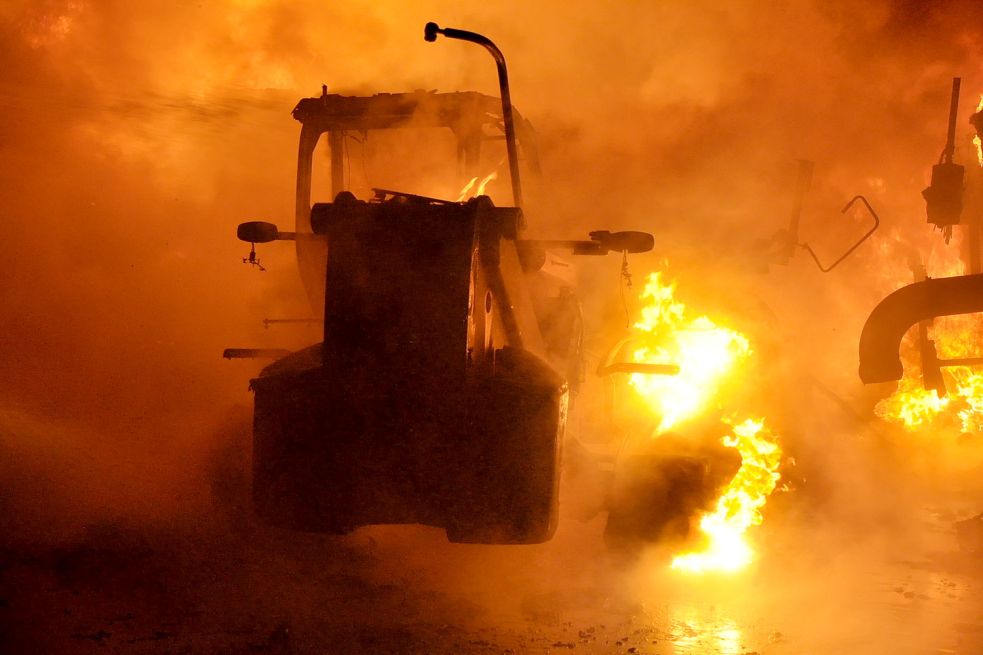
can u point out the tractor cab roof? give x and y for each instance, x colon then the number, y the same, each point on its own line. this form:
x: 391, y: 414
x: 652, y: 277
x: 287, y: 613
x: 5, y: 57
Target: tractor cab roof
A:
x: 466, y: 113
x: 463, y: 110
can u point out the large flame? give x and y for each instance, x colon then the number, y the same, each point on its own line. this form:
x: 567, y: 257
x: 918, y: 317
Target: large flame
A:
x: 960, y: 409
x: 707, y: 355
x: 739, y: 507
x: 705, y: 352
x: 912, y: 405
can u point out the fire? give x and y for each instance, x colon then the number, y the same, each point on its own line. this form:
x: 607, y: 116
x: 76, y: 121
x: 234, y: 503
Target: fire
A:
x: 739, y: 507
x: 707, y: 355
x: 961, y: 408
x: 912, y: 405
x: 466, y: 192
x: 705, y: 352
x: 915, y: 408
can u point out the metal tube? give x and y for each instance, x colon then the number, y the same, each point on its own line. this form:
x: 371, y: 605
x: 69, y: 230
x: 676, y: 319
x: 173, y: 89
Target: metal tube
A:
x: 336, y: 144
x: 430, y: 32
x: 973, y: 228
x: 950, y: 141
x: 962, y: 361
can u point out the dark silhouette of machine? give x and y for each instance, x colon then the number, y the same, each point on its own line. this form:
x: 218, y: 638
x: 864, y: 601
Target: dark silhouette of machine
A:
x: 927, y: 298
x: 440, y: 390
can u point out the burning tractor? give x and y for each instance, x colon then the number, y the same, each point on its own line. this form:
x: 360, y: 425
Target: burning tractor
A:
x: 451, y: 343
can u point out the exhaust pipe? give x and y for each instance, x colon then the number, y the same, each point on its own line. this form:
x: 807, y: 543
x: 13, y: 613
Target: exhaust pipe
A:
x: 430, y: 32
x: 880, y: 340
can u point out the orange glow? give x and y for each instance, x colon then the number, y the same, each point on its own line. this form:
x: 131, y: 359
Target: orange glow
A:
x: 705, y: 352
x: 739, y: 507
x: 50, y: 25
x: 912, y: 405
x: 976, y: 139
x: 466, y: 191
x: 708, y: 355
x: 485, y: 182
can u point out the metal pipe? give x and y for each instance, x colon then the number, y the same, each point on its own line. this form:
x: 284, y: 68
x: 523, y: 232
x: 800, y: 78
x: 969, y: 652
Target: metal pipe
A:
x: 950, y: 141
x: 638, y: 367
x: 430, y: 32
x: 880, y: 340
x: 975, y: 228
x: 254, y: 353
x: 962, y: 361
x: 973, y: 232
x: 336, y: 144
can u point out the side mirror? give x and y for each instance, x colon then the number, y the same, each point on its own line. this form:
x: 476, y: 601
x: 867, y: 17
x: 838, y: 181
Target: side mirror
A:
x: 257, y: 232
x: 630, y: 242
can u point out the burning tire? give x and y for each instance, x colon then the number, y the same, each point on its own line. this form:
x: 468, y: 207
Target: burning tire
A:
x: 662, y: 485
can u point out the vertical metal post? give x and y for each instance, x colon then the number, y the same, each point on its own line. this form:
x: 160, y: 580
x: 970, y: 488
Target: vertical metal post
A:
x: 976, y: 222
x: 950, y: 142
x: 973, y: 228
x: 336, y: 143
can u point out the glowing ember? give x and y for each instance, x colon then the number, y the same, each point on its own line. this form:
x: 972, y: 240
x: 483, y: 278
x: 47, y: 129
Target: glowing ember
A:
x: 739, y: 507
x: 707, y: 355
x: 705, y: 352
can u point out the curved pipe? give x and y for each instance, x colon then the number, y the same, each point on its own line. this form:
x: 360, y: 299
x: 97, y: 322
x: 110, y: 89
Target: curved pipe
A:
x: 430, y: 32
x: 881, y: 337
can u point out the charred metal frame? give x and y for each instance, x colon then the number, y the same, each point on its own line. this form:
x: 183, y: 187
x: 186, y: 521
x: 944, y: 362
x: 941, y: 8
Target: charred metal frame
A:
x: 466, y: 114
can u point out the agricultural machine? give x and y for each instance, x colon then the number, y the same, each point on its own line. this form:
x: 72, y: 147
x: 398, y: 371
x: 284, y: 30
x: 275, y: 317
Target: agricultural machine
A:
x: 451, y: 342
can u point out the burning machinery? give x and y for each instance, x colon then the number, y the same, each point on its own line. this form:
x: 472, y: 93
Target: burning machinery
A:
x: 440, y: 390
x: 928, y: 298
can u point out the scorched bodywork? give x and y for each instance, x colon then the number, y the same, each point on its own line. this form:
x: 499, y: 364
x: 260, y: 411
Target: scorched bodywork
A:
x: 423, y: 404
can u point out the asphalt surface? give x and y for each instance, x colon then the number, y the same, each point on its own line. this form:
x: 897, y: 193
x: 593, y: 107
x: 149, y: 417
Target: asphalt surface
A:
x: 223, y: 584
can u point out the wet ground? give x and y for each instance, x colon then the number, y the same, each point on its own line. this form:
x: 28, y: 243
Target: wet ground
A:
x: 222, y: 584
x: 867, y: 562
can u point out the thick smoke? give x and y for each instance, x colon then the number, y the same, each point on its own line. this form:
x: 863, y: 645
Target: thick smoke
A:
x: 135, y: 136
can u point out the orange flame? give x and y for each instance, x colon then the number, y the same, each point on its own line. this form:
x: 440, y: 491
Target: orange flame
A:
x: 739, y: 507
x: 705, y: 352
x: 915, y: 408
x: 707, y: 355
x: 466, y: 192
